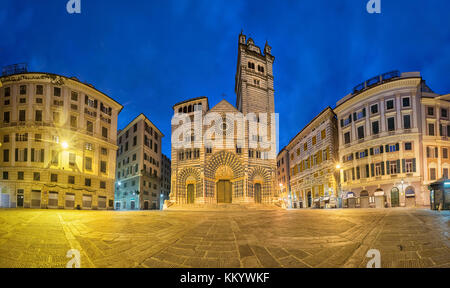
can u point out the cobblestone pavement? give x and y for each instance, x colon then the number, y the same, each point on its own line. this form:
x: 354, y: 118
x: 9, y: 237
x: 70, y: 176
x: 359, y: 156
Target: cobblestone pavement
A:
x: 252, y: 238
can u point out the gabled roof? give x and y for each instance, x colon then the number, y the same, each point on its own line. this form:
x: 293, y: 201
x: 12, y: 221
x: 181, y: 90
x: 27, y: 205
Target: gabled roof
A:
x: 224, y: 106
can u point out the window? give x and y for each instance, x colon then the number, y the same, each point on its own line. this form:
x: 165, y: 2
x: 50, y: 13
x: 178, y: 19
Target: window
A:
x: 393, y: 148
x: 409, y: 166
x: 389, y: 104
x: 391, y: 124
x: 54, y: 178
x: 102, y: 185
x: 314, y: 140
x: 23, y: 89
x: 260, y: 69
x: 6, y: 138
x: 88, y: 163
x: 87, y: 182
x: 73, y: 121
x: 22, y: 114
x: 251, y: 65
x: 445, y: 153
x: 36, y: 176
x: 134, y: 140
x: 72, y: 159
x: 6, y: 155
x: 23, y: 100
x: 408, y: 146
x: 39, y: 90
x: 375, y: 127
x: 105, y: 132
x: 56, y: 91
x: 6, y: 117
x: 39, y: 100
x: 135, y: 127
x: 103, y: 166
x: 406, y: 121
x: 88, y: 146
x: 74, y: 96
x: 444, y: 113
x: 406, y: 102
x: 90, y: 127
x: 305, y: 146
x: 374, y: 109
x: 7, y: 91
x: 38, y: 137
x: 445, y: 173
x: 5, y: 175
x: 323, y: 134
x: 71, y: 180
x: 430, y: 111
x: 432, y: 173
x: 431, y: 129
x: 38, y: 116
x: 20, y: 175
x: 393, y: 167
x: 360, y: 132
x: 56, y: 117
x: 104, y: 151
x: 346, y: 138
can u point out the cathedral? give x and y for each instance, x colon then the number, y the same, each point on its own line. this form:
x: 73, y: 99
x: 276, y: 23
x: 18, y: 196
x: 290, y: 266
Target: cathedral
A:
x: 218, y: 159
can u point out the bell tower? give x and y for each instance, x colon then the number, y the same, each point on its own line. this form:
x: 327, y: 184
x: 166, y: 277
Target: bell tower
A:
x: 254, y: 78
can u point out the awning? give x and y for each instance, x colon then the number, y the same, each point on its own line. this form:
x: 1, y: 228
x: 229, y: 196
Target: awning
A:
x: 379, y: 193
x: 410, y: 193
x: 350, y: 195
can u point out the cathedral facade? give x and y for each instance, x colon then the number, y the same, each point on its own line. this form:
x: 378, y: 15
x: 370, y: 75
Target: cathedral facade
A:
x: 227, y: 154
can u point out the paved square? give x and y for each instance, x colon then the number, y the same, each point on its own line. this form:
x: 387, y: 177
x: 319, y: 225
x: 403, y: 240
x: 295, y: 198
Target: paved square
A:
x: 250, y: 238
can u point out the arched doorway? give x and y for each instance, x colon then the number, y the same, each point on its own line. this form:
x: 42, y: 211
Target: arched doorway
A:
x: 309, y: 199
x: 190, y: 193
x: 395, y: 199
x: 410, y: 197
x: 257, y: 194
x: 224, y: 191
x: 364, y: 199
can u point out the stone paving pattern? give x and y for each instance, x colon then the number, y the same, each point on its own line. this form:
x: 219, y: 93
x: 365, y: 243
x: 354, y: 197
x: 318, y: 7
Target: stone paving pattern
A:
x: 252, y: 238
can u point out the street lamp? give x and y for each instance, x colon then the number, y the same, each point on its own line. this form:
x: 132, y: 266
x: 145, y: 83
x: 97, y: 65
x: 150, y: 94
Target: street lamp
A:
x: 339, y: 168
x: 64, y: 145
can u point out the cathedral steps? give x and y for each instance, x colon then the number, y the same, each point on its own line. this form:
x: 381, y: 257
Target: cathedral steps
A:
x: 228, y: 207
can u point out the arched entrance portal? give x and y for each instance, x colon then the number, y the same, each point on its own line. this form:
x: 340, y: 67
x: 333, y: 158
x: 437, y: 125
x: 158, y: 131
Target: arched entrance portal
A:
x: 190, y: 193
x: 224, y: 191
x: 364, y: 199
x: 257, y: 194
x: 395, y: 201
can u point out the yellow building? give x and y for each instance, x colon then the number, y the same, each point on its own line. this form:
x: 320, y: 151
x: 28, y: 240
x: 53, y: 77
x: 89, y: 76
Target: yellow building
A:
x: 58, y: 143
x: 393, y: 140
x: 312, y: 161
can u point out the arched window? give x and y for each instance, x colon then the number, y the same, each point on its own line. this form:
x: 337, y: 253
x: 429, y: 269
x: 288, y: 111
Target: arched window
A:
x: 190, y: 109
x: 180, y: 110
x: 185, y: 109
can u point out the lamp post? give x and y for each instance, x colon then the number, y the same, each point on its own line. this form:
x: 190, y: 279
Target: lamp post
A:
x: 339, y: 168
x: 403, y: 192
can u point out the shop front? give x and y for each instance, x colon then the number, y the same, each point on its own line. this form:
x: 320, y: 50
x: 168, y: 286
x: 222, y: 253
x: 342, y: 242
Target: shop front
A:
x: 440, y: 195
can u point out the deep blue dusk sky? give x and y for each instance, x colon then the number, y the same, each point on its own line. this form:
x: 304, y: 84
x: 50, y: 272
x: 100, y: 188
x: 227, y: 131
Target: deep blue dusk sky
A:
x: 148, y: 55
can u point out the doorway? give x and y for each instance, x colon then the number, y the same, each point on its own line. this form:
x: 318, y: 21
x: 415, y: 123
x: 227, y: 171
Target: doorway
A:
x: 190, y: 194
x: 145, y: 205
x: 258, y: 193
x: 309, y: 199
x: 20, y: 198
x: 395, y: 197
x: 132, y: 205
x: 224, y: 191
